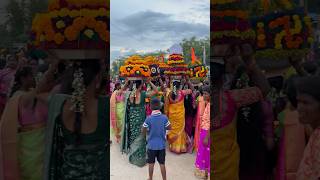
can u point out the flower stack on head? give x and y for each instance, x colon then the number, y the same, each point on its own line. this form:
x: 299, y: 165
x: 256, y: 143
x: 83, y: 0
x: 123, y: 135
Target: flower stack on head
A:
x: 72, y: 25
x: 198, y: 71
x: 153, y: 65
x: 162, y: 65
x: 176, y: 64
x: 135, y: 67
x: 283, y: 34
x: 230, y: 23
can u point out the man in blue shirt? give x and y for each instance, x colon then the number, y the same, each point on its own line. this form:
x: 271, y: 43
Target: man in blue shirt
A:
x: 156, y: 125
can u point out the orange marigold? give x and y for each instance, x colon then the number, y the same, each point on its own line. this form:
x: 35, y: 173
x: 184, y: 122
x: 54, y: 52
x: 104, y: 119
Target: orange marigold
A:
x: 71, y: 33
x: 79, y: 24
x: 58, y: 38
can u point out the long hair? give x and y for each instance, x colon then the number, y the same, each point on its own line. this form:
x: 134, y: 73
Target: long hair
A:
x: 249, y: 126
x: 23, y: 72
x: 90, y: 69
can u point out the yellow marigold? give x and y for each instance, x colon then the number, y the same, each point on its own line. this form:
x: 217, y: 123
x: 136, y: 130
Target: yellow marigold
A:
x: 89, y: 33
x: 71, y: 34
x: 60, y: 24
x: 83, y: 12
x: 102, y: 12
x: 54, y: 14
x: 74, y: 13
x: 42, y: 38
x: 64, y: 12
x: 88, y: 13
x: 58, y: 38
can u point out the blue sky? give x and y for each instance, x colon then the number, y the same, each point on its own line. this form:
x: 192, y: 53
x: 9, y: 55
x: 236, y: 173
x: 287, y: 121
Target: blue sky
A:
x: 139, y: 26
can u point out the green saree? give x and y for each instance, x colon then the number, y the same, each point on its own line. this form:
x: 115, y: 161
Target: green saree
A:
x: 132, y: 141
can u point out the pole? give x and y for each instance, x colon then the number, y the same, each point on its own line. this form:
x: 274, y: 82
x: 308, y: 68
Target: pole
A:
x: 204, y: 55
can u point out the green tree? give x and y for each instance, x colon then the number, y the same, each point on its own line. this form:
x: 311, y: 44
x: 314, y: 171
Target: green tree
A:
x: 5, y: 36
x: 16, y: 20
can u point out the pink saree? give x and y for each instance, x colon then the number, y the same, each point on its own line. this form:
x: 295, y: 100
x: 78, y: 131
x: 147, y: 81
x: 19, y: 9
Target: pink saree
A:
x: 201, y: 107
x: 203, y: 154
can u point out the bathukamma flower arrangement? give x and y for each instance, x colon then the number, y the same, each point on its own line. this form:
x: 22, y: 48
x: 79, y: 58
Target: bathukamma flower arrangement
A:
x: 283, y: 34
x: 71, y: 24
x: 230, y: 24
x: 136, y: 67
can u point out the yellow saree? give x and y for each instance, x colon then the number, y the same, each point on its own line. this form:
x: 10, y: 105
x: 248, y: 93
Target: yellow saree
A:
x: 177, y: 137
x: 226, y: 153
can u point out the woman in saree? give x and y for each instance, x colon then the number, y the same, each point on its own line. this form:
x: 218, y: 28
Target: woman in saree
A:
x: 22, y: 129
x: 175, y: 111
x: 132, y: 141
x: 117, y: 111
x: 203, y: 152
x: 308, y: 98
x: 226, y: 152
x: 77, y: 130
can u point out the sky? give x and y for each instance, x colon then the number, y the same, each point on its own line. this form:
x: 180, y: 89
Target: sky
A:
x: 140, y: 26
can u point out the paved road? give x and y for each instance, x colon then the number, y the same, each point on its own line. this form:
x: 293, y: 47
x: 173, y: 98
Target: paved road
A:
x: 178, y: 167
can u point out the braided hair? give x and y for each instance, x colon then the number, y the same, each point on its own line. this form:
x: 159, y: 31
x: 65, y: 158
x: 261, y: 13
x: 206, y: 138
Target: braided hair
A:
x: 90, y: 69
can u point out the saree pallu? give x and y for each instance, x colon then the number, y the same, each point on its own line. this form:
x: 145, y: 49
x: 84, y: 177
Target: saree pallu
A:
x: 225, y: 152
x: 177, y: 137
x: 31, y: 152
x: 200, y: 110
x: 133, y: 142
x: 137, y: 143
x: 120, y: 112
x: 203, y: 156
x: 292, y: 145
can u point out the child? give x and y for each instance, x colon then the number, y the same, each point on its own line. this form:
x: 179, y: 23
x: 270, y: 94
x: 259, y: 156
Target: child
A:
x: 156, y: 124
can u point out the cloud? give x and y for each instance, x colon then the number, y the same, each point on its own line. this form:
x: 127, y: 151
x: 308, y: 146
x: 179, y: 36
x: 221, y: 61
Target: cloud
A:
x: 153, y: 30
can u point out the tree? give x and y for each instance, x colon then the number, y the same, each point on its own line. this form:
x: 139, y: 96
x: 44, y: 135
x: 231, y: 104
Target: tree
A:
x: 16, y: 19
x: 5, y: 37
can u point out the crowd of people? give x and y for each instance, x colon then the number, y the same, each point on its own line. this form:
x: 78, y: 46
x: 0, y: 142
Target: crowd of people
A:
x: 264, y: 127
x: 185, y: 110
x: 49, y: 127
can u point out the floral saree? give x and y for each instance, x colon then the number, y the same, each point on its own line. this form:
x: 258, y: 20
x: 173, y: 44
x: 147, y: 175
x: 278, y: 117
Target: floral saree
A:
x: 132, y: 141
x: 66, y: 161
